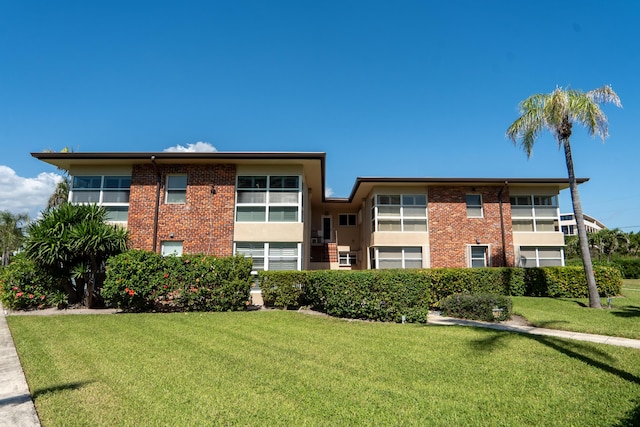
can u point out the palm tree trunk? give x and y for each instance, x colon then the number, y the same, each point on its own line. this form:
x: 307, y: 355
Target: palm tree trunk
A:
x: 594, y: 297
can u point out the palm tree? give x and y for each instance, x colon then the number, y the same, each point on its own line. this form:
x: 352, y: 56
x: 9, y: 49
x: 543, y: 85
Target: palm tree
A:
x: 556, y: 111
x: 60, y: 195
x: 11, y: 235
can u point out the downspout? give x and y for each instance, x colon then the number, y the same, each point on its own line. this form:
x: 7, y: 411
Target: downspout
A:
x: 504, y: 249
x: 157, y: 207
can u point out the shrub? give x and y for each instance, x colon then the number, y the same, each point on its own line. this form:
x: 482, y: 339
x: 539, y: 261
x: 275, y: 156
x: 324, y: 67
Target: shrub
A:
x: 629, y: 267
x: 487, y: 307
x: 24, y: 285
x: 570, y: 282
x: 141, y: 281
x: 283, y: 289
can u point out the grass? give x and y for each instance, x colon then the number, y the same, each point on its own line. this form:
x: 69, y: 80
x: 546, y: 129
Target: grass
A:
x: 573, y: 314
x: 286, y: 368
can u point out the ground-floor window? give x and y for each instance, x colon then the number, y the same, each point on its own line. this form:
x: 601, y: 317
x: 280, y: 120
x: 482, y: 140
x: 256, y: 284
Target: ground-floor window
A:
x: 396, y: 257
x: 271, y: 255
x: 347, y: 258
x: 541, y: 256
x: 171, y: 247
x: 478, y: 256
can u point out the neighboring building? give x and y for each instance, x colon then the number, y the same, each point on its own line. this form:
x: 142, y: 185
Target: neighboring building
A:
x: 272, y: 207
x: 569, y: 227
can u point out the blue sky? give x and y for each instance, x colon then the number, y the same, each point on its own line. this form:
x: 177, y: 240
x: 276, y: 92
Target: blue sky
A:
x: 407, y: 88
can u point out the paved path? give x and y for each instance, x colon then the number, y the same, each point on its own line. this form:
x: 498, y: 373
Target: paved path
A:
x: 16, y: 406
x: 436, y: 319
x: 17, y: 409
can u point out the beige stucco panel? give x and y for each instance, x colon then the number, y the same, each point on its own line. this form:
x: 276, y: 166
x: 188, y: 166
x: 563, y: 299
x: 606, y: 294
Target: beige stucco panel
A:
x: 537, y: 239
x: 268, y: 232
x: 382, y: 238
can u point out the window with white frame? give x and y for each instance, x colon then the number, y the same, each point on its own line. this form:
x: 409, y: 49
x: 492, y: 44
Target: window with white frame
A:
x: 268, y: 199
x: 176, y: 189
x: 347, y: 258
x: 399, y: 212
x: 542, y: 256
x: 109, y: 191
x: 396, y: 257
x: 478, y: 256
x: 474, y: 205
x: 347, y: 220
x: 171, y: 247
x: 537, y: 213
x: 271, y: 255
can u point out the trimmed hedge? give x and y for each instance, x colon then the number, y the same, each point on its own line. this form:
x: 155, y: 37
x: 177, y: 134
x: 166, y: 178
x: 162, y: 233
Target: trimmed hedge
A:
x: 142, y: 281
x: 387, y: 295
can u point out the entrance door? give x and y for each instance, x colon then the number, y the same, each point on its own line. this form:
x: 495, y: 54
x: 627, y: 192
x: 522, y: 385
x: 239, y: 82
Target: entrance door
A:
x: 326, y: 229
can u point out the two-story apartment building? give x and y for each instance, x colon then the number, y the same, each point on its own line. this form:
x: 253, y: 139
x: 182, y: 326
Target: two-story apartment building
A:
x: 272, y: 207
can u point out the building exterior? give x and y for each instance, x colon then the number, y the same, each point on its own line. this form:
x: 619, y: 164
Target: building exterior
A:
x: 272, y: 207
x: 569, y: 226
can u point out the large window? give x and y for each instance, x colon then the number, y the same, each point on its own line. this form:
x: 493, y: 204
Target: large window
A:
x: 399, y: 212
x: 268, y: 198
x: 347, y: 258
x: 111, y: 192
x: 396, y: 257
x: 176, y: 189
x: 171, y: 247
x: 534, y: 213
x: 541, y: 256
x: 271, y: 255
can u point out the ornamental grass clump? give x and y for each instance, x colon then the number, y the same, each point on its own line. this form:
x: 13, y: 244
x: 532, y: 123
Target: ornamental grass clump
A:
x: 486, y: 307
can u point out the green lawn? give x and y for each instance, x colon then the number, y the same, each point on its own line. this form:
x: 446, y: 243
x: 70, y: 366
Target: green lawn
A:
x: 573, y: 314
x: 285, y: 368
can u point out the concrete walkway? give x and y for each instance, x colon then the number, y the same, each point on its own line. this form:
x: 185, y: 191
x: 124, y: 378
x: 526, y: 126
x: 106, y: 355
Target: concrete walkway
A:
x: 17, y: 408
x: 436, y: 319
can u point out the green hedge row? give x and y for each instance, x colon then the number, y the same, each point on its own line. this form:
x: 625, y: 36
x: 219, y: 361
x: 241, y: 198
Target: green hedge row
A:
x: 390, y: 294
x: 142, y: 281
x: 629, y: 267
x: 24, y: 286
x: 486, y: 307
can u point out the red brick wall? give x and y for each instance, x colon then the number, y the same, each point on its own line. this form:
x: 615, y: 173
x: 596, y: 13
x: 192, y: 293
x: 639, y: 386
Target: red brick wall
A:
x: 204, y: 223
x: 450, y: 231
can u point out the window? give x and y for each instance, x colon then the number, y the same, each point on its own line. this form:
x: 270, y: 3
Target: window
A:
x: 347, y: 220
x: 396, y: 257
x: 271, y: 255
x: 347, y: 258
x: 474, y: 206
x: 541, y: 256
x: 176, y: 190
x: 534, y: 213
x: 401, y: 212
x: 479, y: 256
x: 171, y: 247
x: 268, y: 198
x: 111, y: 192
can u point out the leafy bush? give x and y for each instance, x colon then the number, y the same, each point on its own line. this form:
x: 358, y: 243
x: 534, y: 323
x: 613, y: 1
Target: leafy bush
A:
x: 385, y: 295
x: 24, y: 285
x: 629, y: 267
x: 486, y: 307
x: 141, y: 281
x: 570, y: 282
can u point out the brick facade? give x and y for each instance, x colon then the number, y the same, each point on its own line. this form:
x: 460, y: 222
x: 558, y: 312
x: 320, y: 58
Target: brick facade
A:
x: 450, y: 231
x: 204, y: 223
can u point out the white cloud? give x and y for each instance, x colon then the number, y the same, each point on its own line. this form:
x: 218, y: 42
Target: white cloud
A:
x: 197, y: 147
x: 328, y: 192
x: 25, y: 195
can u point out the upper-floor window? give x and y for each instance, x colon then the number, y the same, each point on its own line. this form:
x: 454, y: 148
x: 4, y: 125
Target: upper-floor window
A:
x: 268, y: 198
x: 176, y: 189
x: 399, y: 212
x: 474, y: 206
x: 347, y: 220
x: 111, y: 192
x: 534, y: 213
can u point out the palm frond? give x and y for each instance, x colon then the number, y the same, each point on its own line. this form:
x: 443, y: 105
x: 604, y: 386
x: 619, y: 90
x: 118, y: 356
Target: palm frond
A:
x: 605, y: 94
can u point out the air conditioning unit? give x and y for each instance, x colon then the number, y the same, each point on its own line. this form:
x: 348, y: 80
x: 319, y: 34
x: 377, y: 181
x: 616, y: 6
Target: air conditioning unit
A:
x: 315, y: 241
